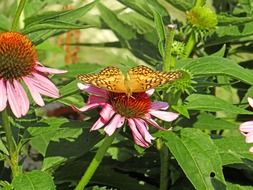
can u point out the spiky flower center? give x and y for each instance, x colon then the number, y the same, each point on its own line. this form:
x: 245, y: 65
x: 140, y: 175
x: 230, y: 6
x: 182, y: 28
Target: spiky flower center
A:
x: 135, y: 106
x: 17, y: 55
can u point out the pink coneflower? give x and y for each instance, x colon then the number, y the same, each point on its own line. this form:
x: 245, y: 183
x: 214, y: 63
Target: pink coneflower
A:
x: 246, y: 128
x: 118, y: 108
x: 19, y: 65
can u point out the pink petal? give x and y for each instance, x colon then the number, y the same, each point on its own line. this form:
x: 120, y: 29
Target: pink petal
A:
x: 150, y: 92
x: 93, y: 90
x: 164, y: 115
x: 251, y: 149
x: 13, y: 99
x: 49, y: 70
x: 246, y: 127
x: 98, y: 124
x: 33, y: 91
x: 44, y: 85
x: 142, y: 128
x: 96, y: 99
x: 249, y: 138
x: 250, y: 100
x: 87, y: 107
x: 22, y: 97
x: 116, y: 122
x: 138, y: 138
x: 107, y: 112
x: 152, y: 122
x: 3, y: 95
x: 159, y: 105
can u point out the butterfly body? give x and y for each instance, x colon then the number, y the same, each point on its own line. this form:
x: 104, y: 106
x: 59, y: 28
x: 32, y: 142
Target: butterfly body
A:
x: 137, y: 79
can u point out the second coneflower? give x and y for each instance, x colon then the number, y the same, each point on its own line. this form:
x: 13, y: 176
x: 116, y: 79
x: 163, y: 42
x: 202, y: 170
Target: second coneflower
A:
x: 19, y: 64
x: 118, y: 108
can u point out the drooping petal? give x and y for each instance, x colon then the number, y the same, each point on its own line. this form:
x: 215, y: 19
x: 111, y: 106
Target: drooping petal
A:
x: 116, y: 122
x: 3, y: 95
x: 49, y: 70
x: 13, y: 100
x: 138, y: 138
x: 164, y: 115
x: 143, y: 130
x: 98, y: 124
x: 45, y: 86
x: 246, y: 127
x: 22, y: 97
x: 249, y: 138
x: 92, y: 90
x: 107, y: 112
x: 250, y: 100
x: 33, y: 91
x: 159, y: 105
x: 87, y: 107
x: 152, y: 122
x: 96, y: 99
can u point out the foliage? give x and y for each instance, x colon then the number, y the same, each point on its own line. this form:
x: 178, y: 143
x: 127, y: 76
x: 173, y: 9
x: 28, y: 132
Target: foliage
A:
x: 205, y: 147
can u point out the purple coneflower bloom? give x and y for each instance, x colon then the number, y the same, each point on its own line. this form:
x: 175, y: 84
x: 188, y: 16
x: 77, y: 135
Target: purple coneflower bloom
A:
x: 117, y: 108
x: 19, y: 65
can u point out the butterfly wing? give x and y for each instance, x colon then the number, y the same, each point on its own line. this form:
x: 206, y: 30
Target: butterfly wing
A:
x: 142, y: 78
x: 110, y: 78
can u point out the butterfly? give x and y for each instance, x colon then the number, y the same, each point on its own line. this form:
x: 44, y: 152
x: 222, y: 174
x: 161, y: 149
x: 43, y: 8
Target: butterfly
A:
x: 137, y: 79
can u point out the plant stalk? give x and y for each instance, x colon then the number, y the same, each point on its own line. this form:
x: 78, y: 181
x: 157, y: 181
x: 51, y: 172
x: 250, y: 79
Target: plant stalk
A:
x: 20, y: 8
x: 190, y: 45
x: 168, y: 47
x: 13, y: 156
x: 95, y: 162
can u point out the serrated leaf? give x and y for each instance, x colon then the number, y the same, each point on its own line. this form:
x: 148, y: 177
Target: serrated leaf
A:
x: 212, y: 65
x: 35, y: 180
x: 197, y: 156
x: 212, y: 104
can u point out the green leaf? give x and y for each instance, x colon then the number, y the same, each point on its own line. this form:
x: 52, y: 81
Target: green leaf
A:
x: 160, y: 31
x: 232, y: 186
x: 64, y: 16
x: 53, y: 130
x: 229, y: 19
x: 144, y: 7
x: 197, y: 156
x: 182, y: 5
x: 35, y: 180
x: 111, y: 19
x: 233, y: 149
x: 212, y: 65
x: 210, y: 122
x: 212, y: 104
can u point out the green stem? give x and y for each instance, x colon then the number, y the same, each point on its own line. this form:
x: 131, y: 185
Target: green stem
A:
x: 164, y: 162
x: 190, y: 45
x: 95, y: 162
x: 10, y: 143
x: 168, y: 47
x: 15, y: 22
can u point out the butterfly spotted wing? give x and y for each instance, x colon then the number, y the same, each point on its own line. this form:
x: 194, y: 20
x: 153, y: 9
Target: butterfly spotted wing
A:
x: 110, y: 78
x: 142, y: 78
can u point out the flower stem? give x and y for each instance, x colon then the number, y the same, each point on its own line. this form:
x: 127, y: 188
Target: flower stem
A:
x: 10, y: 143
x: 20, y: 8
x: 168, y: 47
x: 164, y: 162
x: 95, y: 162
x: 190, y: 45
